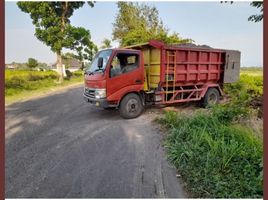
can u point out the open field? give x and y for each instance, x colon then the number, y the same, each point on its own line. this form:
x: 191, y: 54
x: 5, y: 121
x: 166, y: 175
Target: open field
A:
x: 24, y: 84
x: 252, y: 71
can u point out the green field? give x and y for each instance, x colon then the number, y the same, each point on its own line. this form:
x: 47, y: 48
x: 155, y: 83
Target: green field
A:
x: 24, y: 84
x: 218, y: 151
x: 252, y: 71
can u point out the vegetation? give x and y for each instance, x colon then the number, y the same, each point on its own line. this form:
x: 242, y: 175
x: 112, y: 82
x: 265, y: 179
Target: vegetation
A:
x: 257, y: 17
x: 248, y: 91
x: 252, y: 71
x: 22, y: 83
x: 217, y: 157
x: 106, y: 43
x: 53, y: 28
x: 32, y: 63
x: 218, y: 152
x: 137, y: 23
x: 20, y: 66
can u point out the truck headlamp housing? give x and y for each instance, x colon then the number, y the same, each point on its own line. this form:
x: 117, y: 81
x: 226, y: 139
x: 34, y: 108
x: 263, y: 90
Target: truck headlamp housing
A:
x: 100, y: 93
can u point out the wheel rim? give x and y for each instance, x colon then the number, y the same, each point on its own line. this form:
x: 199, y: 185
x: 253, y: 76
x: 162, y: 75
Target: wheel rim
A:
x: 212, y: 99
x: 132, y: 106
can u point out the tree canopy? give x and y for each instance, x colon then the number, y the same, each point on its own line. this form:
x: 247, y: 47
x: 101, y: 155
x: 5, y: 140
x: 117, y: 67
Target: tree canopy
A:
x: 138, y: 23
x: 53, y: 28
x: 32, y: 63
x: 257, y: 17
x: 106, y: 43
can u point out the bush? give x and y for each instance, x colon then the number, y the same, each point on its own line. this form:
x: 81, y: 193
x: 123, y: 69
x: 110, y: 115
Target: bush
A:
x: 250, y: 85
x: 247, y: 92
x: 78, y: 73
x: 216, y: 157
x: 69, y: 74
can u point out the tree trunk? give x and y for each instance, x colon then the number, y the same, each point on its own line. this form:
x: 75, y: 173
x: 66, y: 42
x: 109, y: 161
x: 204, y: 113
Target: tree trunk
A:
x: 59, y: 58
x: 83, y: 65
x: 59, y: 67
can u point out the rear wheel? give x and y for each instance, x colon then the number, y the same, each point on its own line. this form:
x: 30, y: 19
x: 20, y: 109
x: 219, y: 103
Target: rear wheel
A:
x: 211, y: 98
x: 131, y: 106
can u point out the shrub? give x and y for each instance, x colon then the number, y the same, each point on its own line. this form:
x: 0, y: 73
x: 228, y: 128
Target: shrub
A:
x: 78, y: 73
x: 247, y: 92
x: 69, y: 74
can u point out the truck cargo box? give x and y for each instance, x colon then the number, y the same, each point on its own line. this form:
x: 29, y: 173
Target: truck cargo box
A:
x: 187, y: 64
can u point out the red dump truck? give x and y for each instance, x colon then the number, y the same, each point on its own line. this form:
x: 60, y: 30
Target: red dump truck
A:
x: 155, y: 73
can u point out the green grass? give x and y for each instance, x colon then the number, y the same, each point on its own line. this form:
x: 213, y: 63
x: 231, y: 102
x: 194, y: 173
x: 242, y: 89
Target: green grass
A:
x: 217, y: 157
x: 252, y: 71
x: 22, y: 84
x: 219, y: 151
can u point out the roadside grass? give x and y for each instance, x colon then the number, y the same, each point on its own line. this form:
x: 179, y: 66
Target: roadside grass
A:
x: 215, y: 155
x: 24, y: 84
x: 219, y: 151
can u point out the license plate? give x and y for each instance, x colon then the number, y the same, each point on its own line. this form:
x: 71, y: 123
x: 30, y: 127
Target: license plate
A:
x: 97, y: 103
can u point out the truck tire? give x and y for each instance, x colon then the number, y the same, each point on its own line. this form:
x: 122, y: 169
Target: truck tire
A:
x: 211, y: 97
x: 131, y: 106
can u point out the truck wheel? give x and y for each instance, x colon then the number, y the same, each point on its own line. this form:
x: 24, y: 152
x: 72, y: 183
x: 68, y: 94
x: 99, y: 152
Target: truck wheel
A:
x: 211, y: 98
x: 131, y: 106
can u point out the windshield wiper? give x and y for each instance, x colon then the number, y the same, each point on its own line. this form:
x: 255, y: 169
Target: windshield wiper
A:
x: 100, y: 69
x: 88, y: 72
x: 92, y: 73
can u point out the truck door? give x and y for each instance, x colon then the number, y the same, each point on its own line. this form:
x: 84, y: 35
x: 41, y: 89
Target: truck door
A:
x: 125, y: 70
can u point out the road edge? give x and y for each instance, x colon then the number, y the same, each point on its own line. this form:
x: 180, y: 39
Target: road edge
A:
x: 50, y: 91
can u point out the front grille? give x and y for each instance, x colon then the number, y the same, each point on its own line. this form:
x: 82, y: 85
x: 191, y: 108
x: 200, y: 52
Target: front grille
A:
x: 90, y: 92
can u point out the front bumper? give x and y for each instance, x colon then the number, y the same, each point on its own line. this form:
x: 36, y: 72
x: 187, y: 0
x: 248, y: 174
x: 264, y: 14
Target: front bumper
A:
x: 103, y: 103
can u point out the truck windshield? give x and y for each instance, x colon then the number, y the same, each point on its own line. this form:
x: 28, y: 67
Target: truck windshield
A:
x: 93, y: 67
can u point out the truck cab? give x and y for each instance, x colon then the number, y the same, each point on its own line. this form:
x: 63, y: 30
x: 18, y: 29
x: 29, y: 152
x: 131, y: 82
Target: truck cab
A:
x: 113, y: 74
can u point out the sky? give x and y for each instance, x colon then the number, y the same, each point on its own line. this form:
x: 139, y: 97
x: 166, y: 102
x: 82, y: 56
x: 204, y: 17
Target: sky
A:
x: 219, y: 25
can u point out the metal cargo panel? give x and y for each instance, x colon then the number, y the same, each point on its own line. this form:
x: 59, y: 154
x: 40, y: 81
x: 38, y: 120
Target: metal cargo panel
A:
x: 185, y: 66
x: 232, y: 66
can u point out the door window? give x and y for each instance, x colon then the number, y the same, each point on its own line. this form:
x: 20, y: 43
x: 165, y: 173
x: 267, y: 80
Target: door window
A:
x: 124, y: 63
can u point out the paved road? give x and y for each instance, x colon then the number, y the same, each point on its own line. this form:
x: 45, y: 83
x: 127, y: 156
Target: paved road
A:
x: 59, y: 146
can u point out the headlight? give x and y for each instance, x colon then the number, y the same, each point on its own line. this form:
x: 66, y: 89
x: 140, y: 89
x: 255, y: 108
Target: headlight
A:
x: 100, y: 93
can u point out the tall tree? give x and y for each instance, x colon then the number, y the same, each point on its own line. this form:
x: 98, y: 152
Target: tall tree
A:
x: 257, y: 17
x: 53, y: 27
x: 106, y: 43
x: 137, y: 23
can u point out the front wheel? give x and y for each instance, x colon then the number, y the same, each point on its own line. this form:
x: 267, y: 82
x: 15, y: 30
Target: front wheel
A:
x: 211, y: 98
x: 131, y: 106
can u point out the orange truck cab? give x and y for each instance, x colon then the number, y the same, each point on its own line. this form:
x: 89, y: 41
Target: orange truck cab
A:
x: 155, y: 73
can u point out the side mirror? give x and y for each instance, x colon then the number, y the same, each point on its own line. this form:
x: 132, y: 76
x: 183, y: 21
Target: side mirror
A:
x: 100, y: 62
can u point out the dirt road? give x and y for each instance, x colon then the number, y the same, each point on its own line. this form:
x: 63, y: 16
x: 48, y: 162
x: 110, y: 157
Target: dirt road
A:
x: 59, y: 146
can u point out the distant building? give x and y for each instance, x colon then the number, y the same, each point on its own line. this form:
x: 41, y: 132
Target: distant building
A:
x: 69, y: 64
x: 11, y: 66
